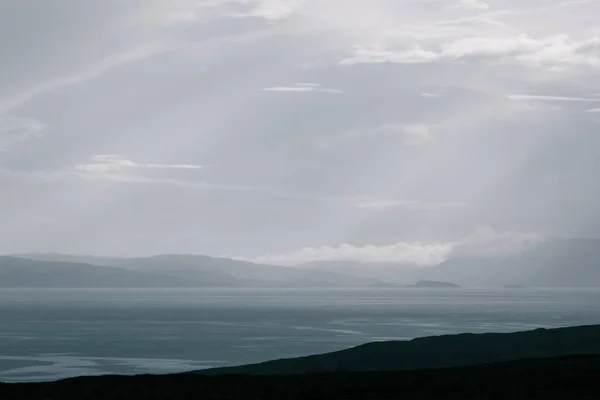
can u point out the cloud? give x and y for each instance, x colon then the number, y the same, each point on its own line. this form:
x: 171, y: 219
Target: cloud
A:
x: 111, y: 163
x: 274, y: 10
x: 487, y: 242
x: 302, y: 88
x: 594, y: 110
x: 112, y: 167
x: 475, y: 4
x: 550, y: 51
x: 483, y: 242
x: 173, y: 12
x: 542, y: 106
x: 405, y: 253
x: 190, y: 11
x: 427, y: 94
x: 381, y: 33
x: 15, y: 130
x: 574, y: 2
x: 529, y: 97
x: 378, y: 53
x: 120, y: 176
x: 380, y: 205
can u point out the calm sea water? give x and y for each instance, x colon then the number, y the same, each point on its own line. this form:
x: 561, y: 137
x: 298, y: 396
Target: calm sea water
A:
x: 51, y: 334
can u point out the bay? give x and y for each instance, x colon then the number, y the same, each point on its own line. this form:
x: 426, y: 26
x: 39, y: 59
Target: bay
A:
x: 52, y: 334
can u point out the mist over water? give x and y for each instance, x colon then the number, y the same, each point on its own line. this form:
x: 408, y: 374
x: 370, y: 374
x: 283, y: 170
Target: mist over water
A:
x: 55, y: 333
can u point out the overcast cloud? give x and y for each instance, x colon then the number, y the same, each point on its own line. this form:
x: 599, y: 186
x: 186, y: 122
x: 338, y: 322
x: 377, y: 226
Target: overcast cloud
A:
x: 294, y: 130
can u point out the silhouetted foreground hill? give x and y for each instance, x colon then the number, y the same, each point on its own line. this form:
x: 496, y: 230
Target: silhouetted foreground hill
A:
x: 573, y: 377
x: 436, y: 352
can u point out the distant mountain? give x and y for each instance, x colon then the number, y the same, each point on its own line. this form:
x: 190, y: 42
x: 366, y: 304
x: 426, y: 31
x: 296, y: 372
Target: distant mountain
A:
x: 186, y: 265
x: 77, y: 259
x: 218, y: 272
x: 398, y: 273
x: 567, y: 263
x: 436, y: 352
x: 553, y: 263
x: 21, y: 273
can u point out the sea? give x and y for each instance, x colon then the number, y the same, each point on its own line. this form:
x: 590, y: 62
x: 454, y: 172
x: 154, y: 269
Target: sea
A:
x: 48, y: 334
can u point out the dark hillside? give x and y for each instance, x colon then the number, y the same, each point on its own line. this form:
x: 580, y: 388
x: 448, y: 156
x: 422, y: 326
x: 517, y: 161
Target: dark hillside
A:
x: 560, y: 378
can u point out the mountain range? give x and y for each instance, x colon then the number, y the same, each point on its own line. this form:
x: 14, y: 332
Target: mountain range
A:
x: 56, y: 270
x: 553, y: 263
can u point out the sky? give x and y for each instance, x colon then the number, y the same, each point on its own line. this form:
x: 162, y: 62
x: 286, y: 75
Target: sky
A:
x: 288, y: 131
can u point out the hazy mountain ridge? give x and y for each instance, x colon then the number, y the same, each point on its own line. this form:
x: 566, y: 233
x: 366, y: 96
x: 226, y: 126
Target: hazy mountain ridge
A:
x: 163, y: 270
x: 552, y: 263
x: 20, y: 272
x: 398, y: 273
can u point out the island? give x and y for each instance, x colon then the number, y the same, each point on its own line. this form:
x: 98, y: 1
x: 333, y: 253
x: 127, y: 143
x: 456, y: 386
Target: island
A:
x: 434, y: 284
x: 513, y: 287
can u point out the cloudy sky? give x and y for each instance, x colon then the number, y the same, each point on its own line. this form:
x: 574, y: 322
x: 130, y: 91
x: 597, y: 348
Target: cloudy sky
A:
x: 293, y: 130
